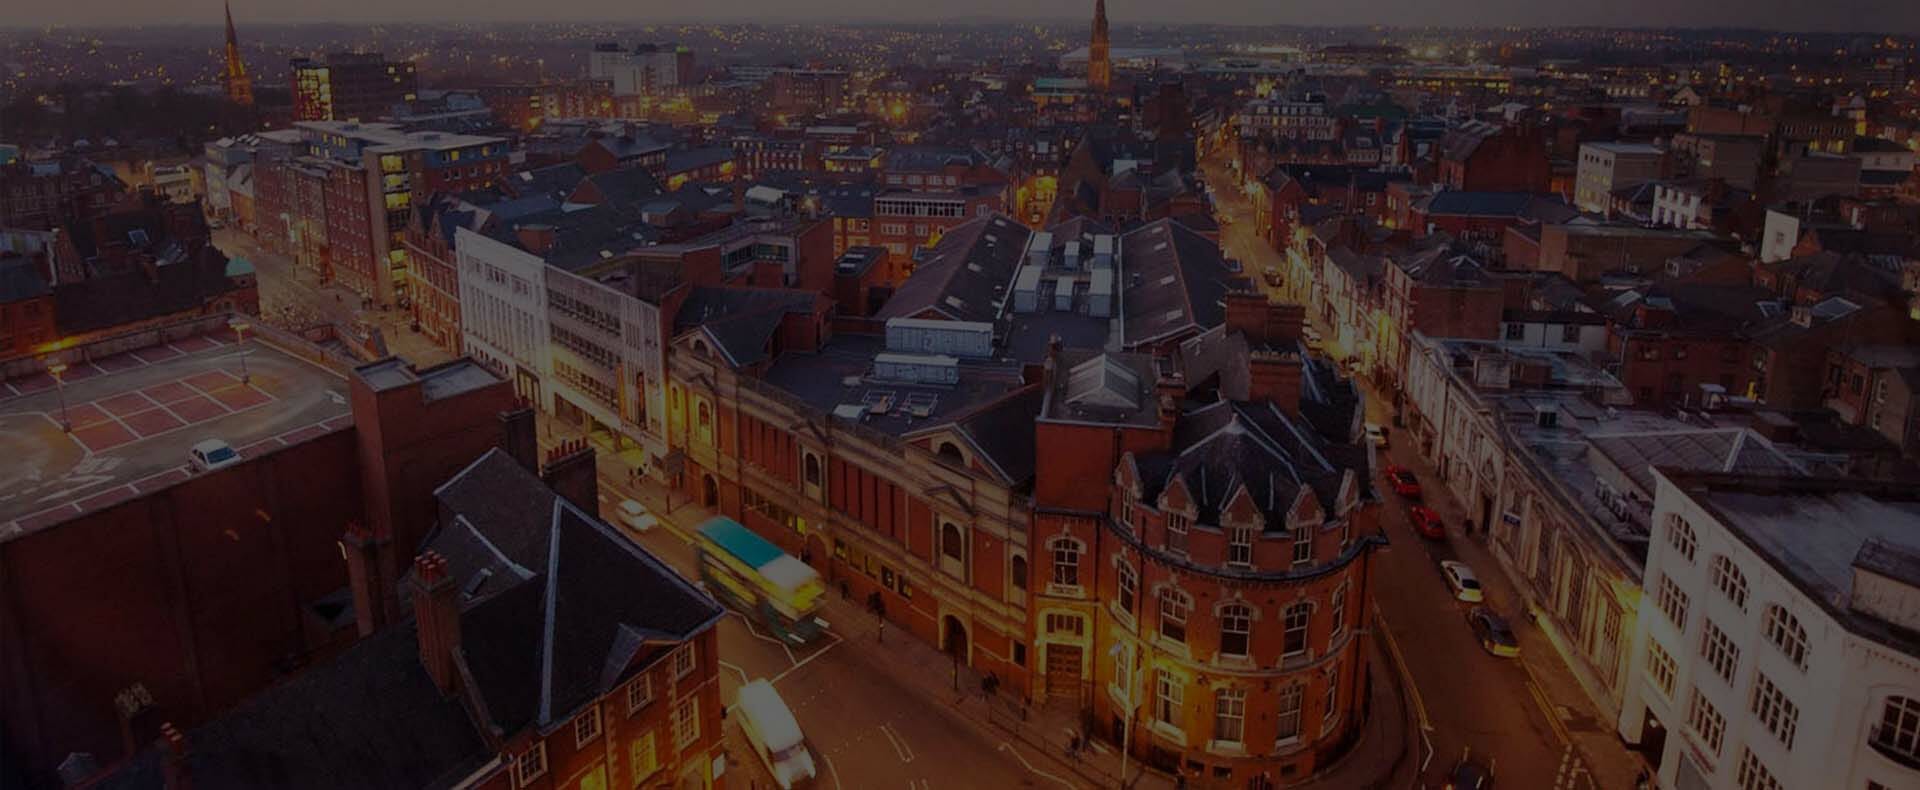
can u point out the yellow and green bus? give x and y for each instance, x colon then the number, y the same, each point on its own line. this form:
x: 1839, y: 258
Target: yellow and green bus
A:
x: 756, y: 578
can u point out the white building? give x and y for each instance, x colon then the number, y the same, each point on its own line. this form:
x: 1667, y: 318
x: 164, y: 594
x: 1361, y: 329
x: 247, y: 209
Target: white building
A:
x: 647, y: 70
x: 1777, y: 647
x: 1605, y: 167
x: 503, y: 312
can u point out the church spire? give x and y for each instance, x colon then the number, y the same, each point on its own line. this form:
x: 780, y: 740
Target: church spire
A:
x: 1099, y: 63
x: 239, y: 85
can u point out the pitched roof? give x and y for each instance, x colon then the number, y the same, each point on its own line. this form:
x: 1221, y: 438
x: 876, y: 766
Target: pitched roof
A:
x: 561, y: 603
x: 1228, y: 447
x: 19, y: 280
x: 972, y: 267
x: 1176, y: 281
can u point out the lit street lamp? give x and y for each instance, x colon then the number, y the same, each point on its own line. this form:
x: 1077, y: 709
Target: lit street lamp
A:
x: 1126, y: 722
x: 240, y: 328
x: 56, y: 370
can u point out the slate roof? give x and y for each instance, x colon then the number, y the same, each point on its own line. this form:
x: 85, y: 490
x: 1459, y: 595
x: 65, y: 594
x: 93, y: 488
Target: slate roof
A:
x: 1712, y: 450
x: 117, y: 298
x: 1175, y: 281
x: 19, y: 279
x: 562, y: 603
x: 971, y: 268
x: 370, y: 718
x: 741, y: 322
x: 1523, y: 205
x: 555, y: 181
x: 1002, y: 431
x: 684, y: 160
x: 626, y: 185
x: 1227, y: 447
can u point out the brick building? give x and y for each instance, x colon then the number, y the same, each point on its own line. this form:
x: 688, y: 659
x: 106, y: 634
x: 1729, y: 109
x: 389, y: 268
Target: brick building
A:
x: 1483, y: 157
x: 42, y: 194
x: 350, y: 86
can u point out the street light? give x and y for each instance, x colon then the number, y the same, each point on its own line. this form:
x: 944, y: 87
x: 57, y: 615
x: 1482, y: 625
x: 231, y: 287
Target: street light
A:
x: 57, y: 369
x: 1126, y: 722
x: 240, y: 328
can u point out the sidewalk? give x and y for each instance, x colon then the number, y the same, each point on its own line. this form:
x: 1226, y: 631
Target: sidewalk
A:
x: 1387, y: 755
x: 1597, y: 757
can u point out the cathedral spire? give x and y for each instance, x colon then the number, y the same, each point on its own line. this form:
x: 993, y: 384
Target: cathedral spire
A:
x: 1099, y: 63
x: 239, y: 85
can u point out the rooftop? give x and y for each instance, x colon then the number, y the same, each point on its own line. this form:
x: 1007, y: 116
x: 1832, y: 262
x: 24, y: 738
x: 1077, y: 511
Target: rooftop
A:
x: 840, y: 380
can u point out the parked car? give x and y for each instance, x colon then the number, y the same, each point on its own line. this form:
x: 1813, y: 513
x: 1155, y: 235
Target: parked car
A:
x: 1377, y: 436
x: 1461, y: 579
x: 775, y: 735
x: 1403, y: 481
x: 1272, y: 275
x: 1426, y: 522
x: 1493, y: 632
x: 1470, y: 774
x: 211, y: 454
x: 635, y: 515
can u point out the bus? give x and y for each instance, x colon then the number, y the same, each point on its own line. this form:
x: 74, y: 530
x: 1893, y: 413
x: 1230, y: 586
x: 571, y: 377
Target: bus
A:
x: 759, y: 580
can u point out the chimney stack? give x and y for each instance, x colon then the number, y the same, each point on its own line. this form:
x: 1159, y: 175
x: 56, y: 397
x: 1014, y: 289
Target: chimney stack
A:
x: 1274, y: 377
x: 519, y: 437
x: 361, y: 548
x: 571, y: 472
x: 436, y: 612
x: 174, y: 769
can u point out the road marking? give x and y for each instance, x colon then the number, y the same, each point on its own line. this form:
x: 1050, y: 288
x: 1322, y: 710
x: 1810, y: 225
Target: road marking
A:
x: 900, y: 747
x: 831, y: 771
x: 1406, y: 673
x: 741, y: 672
x: 1035, y: 771
x: 803, y: 662
x: 763, y: 637
x: 1425, y: 741
x: 1546, y: 709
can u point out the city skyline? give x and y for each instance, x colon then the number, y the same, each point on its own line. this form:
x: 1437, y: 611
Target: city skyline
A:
x: 1862, y: 17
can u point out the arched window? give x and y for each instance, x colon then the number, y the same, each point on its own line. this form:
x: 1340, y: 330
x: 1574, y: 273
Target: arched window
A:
x: 1898, y: 733
x: 1294, y: 623
x: 951, y: 543
x: 1784, y: 631
x: 1066, y: 561
x: 1728, y: 579
x: 1236, y: 630
x: 1680, y: 536
x: 1174, y: 606
x: 1020, y: 572
x: 812, y: 469
x: 951, y: 452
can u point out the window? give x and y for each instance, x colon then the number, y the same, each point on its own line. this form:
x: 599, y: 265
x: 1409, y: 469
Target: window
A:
x: 644, y: 758
x: 1177, y: 534
x: 812, y: 469
x: 1294, y: 624
x: 1660, y: 668
x: 1516, y: 331
x: 1784, y: 631
x: 1066, y: 562
x: 1673, y: 603
x: 1339, y: 612
x: 1058, y: 623
x: 1229, y: 715
x: 639, y: 693
x: 1771, y: 706
x: 686, y: 723
x: 1330, y: 710
x: 1753, y: 775
x: 1174, y: 605
x: 1719, y: 651
x: 531, y: 764
x: 1129, y: 589
x: 586, y: 726
x: 1302, y: 545
x: 683, y: 661
x: 1570, y: 333
x: 1239, y: 545
x: 1167, y: 697
x: 1899, y: 732
x: 1287, y: 715
x: 1680, y: 536
x: 1126, y: 515
x: 1236, y: 628
x: 1020, y: 572
x: 1729, y: 580
x: 1123, y: 668
x: 953, y: 550
x: 1706, y: 722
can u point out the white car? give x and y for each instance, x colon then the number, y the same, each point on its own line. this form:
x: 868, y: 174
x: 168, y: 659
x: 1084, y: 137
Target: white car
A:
x: 1462, y: 581
x: 211, y: 454
x: 635, y: 515
x: 1376, y: 436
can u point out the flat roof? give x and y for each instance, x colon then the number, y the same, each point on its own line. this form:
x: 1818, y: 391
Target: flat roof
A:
x: 837, y: 376
x: 135, y: 415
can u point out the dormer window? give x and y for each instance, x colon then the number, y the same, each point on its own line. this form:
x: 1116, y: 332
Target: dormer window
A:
x: 1177, y: 527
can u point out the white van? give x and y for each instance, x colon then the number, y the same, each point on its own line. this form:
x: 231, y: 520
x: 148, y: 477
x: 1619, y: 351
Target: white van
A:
x: 775, y: 735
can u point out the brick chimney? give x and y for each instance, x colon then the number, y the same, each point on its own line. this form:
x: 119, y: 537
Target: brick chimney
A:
x: 571, y: 472
x: 436, y: 611
x: 519, y: 437
x: 1246, y: 313
x: 1275, y: 377
x: 174, y: 768
x: 362, y: 548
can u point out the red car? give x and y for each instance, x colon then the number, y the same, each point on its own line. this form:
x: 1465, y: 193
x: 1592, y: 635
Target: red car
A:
x: 1403, y: 482
x: 1426, y: 522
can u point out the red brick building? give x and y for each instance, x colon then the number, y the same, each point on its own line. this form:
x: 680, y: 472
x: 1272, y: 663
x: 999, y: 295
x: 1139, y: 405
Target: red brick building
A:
x: 1483, y: 157
x: 26, y: 306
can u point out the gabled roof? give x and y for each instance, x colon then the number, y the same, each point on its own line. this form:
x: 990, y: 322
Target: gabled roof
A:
x: 1710, y: 450
x: 561, y: 604
x: 1176, y: 280
x: 1003, y: 433
x: 1228, y: 447
x: 971, y: 269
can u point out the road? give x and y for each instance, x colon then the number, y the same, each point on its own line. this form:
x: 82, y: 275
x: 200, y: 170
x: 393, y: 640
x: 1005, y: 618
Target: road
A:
x: 1465, y: 697
x: 867, y: 727
x: 289, y: 297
